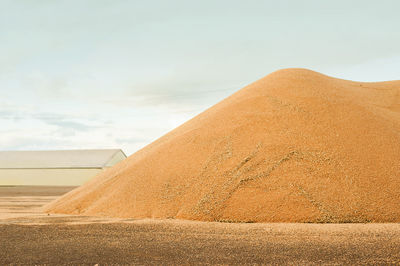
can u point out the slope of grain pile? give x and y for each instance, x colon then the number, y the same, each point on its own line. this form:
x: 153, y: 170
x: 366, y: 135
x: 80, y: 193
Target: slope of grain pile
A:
x: 295, y: 146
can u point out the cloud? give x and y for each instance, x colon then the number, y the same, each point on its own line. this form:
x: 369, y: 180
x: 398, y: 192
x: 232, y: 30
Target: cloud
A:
x: 120, y: 74
x: 69, y: 124
x: 381, y: 69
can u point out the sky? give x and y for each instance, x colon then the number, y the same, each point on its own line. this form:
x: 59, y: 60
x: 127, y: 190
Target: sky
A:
x: 119, y: 74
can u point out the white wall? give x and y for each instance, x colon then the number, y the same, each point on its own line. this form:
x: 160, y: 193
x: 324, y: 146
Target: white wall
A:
x: 46, y: 177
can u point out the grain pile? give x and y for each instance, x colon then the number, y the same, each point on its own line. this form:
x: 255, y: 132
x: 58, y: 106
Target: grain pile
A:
x: 295, y: 146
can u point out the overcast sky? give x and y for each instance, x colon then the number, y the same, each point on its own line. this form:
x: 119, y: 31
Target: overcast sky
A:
x: 119, y: 74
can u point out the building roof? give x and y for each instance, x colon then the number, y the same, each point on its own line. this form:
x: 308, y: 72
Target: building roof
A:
x: 59, y: 159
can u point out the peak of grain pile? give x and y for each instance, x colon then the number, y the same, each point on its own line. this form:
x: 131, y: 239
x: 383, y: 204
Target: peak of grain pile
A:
x: 295, y: 146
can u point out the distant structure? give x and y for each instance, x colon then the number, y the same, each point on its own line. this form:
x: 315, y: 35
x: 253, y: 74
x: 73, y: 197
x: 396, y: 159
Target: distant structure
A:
x: 55, y: 168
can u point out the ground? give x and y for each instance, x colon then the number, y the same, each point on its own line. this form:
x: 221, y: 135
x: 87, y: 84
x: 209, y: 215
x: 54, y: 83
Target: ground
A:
x: 31, y: 237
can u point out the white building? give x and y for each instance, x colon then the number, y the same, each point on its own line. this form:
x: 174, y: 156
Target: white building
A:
x: 55, y: 168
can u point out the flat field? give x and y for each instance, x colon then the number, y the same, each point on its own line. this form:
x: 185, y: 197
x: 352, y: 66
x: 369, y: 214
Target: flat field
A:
x: 29, y: 236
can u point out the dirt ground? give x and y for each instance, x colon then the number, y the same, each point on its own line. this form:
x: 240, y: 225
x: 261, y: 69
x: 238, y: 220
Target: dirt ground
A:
x: 31, y: 237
